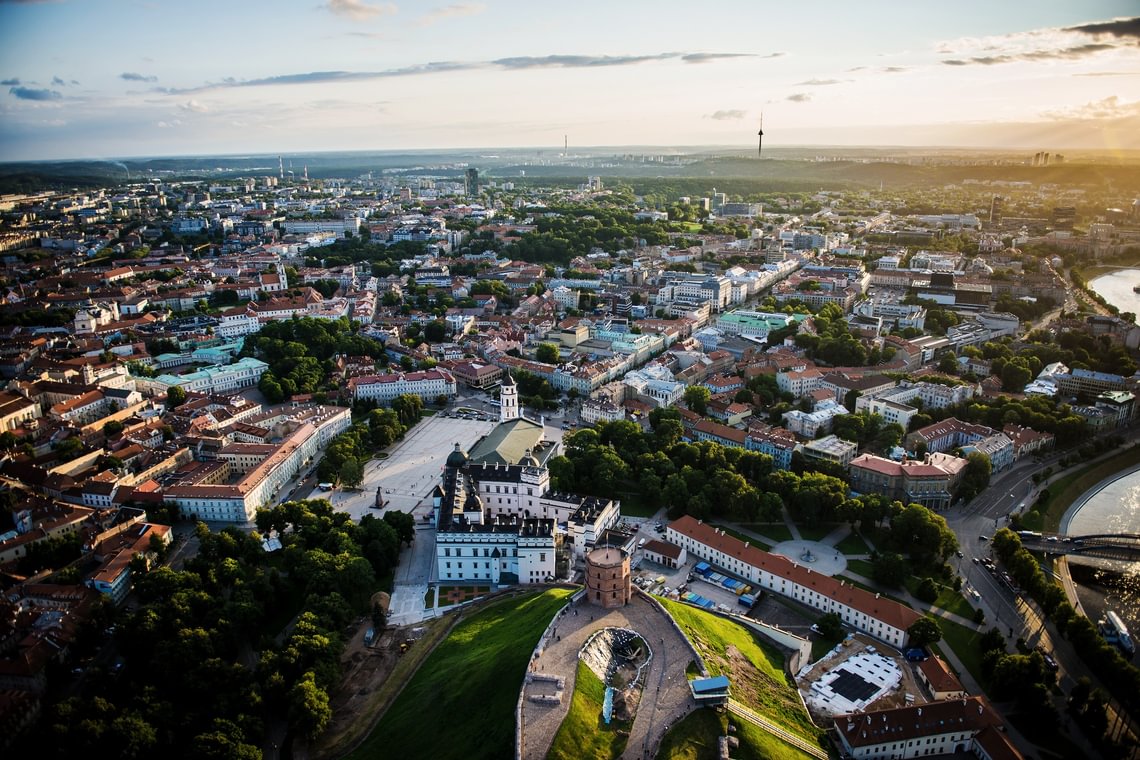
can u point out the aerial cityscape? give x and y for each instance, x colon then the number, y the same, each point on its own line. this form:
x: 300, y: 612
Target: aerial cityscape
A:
x: 632, y: 380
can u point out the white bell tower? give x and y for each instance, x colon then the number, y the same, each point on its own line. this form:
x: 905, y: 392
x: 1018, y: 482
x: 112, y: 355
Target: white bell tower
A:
x: 508, y: 399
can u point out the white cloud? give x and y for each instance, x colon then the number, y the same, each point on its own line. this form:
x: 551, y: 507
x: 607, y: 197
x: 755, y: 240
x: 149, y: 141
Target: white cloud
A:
x: 458, y: 10
x: 359, y: 10
x: 727, y: 115
x: 194, y: 106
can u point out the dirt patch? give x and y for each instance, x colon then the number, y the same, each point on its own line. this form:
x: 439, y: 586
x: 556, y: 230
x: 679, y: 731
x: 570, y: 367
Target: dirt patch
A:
x: 372, y: 677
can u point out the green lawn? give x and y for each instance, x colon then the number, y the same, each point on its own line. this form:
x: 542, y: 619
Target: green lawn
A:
x: 469, y: 685
x: 743, y: 537
x: 964, y: 642
x: 816, y: 532
x: 953, y: 601
x: 583, y: 734
x: 853, y: 544
x: 862, y: 567
x: 776, y: 531
x: 948, y: 599
x: 755, y: 668
x: 632, y: 504
x: 695, y: 738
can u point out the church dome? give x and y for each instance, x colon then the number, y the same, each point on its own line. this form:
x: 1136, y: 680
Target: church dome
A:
x: 456, y: 458
x: 473, y: 502
x: 528, y: 459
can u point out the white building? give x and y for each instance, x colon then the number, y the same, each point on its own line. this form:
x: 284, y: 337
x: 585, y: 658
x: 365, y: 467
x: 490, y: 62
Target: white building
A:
x: 871, y: 613
x: 951, y: 727
x: 383, y: 389
x: 220, y: 378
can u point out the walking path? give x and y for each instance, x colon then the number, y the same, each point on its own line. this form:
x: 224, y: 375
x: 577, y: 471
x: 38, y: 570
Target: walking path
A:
x: 665, y: 698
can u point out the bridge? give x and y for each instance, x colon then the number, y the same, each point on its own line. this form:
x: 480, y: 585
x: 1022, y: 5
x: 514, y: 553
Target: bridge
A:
x: 1119, y: 546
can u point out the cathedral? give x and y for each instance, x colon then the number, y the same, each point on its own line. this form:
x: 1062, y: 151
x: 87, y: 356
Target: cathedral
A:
x: 498, y: 521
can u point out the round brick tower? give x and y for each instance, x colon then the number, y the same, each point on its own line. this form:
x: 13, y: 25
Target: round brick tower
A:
x: 607, y: 577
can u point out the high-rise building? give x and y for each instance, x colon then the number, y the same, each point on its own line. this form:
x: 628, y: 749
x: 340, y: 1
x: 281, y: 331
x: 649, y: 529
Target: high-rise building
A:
x: 997, y: 206
x: 471, y: 181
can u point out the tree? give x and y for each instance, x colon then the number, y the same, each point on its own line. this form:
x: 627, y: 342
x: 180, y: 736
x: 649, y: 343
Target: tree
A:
x: 351, y: 472
x: 175, y: 396
x: 890, y: 569
x: 925, y: 630
x: 547, y: 353
x: 697, y: 398
x: 830, y: 626
x: 436, y: 331
x: 976, y: 476
x: 403, y: 523
x: 309, y: 710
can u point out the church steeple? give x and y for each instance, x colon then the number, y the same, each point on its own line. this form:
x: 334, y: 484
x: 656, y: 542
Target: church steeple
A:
x: 508, y: 399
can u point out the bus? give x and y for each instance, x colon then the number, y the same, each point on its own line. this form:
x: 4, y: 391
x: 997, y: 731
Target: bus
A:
x: 325, y: 486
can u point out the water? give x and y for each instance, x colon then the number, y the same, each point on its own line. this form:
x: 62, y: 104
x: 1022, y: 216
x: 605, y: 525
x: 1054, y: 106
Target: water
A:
x: 1103, y: 584
x: 1116, y: 288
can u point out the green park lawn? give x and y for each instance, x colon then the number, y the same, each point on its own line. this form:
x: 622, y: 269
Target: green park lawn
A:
x: 853, y: 544
x: 776, y: 531
x: 965, y: 643
x: 754, y: 667
x: 583, y: 734
x: 695, y: 738
x: 816, y: 532
x: 861, y: 567
x: 461, y: 702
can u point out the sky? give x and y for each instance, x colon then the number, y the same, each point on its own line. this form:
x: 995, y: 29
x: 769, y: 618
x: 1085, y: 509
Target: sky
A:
x: 125, y: 78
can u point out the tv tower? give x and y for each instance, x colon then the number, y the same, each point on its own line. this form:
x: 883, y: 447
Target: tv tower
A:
x: 760, y: 136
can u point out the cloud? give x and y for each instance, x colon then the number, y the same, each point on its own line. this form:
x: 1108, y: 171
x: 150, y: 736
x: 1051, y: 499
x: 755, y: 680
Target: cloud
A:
x: 167, y: 124
x: 193, y: 106
x: 727, y: 115
x: 1108, y: 108
x: 132, y: 76
x: 58, y: 82
x: 708, y: 57
x: 856, y: 68
x: 1064, y: 54
x: 799, y: 97
x: 577, y: 61
x: 13, y: 82
x: 1118, y: 27
x: 774, y: 55
x: 28, y: 93
x: 458, y: 10
x: 516, y: 63
x: 1108, y: 74
x: 893, y: 69
x: 822, y: 82
x: 358, y: 10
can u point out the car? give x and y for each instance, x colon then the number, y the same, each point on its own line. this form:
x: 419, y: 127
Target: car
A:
x: 983, y: 538
x: 960, y: 554
x: 815, y: 628
x: 976, y: 561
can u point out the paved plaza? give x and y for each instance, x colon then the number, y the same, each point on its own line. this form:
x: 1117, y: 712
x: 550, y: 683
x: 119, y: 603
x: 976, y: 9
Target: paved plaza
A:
x: 820, y: 557
x: 666, y: 697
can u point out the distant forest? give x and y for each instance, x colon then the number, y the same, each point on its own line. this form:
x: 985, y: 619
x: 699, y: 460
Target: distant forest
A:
x: 787, y: 171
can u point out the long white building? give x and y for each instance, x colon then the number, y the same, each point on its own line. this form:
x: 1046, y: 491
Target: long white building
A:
x: 220, y: 378
x: 871, y: 613
x: 383, y: 389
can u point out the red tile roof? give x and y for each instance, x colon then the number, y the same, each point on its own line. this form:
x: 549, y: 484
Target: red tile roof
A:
x: 888, y: 611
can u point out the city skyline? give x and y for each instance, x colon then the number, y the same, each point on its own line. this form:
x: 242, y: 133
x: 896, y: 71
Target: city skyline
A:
x: 100, y: 79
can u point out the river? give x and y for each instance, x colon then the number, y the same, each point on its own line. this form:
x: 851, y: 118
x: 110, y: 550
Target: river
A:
x: 1103, y: 584
x: 1116, y: 288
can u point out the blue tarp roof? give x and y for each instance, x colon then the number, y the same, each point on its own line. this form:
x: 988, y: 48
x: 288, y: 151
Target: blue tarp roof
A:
x: 709, y: 685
